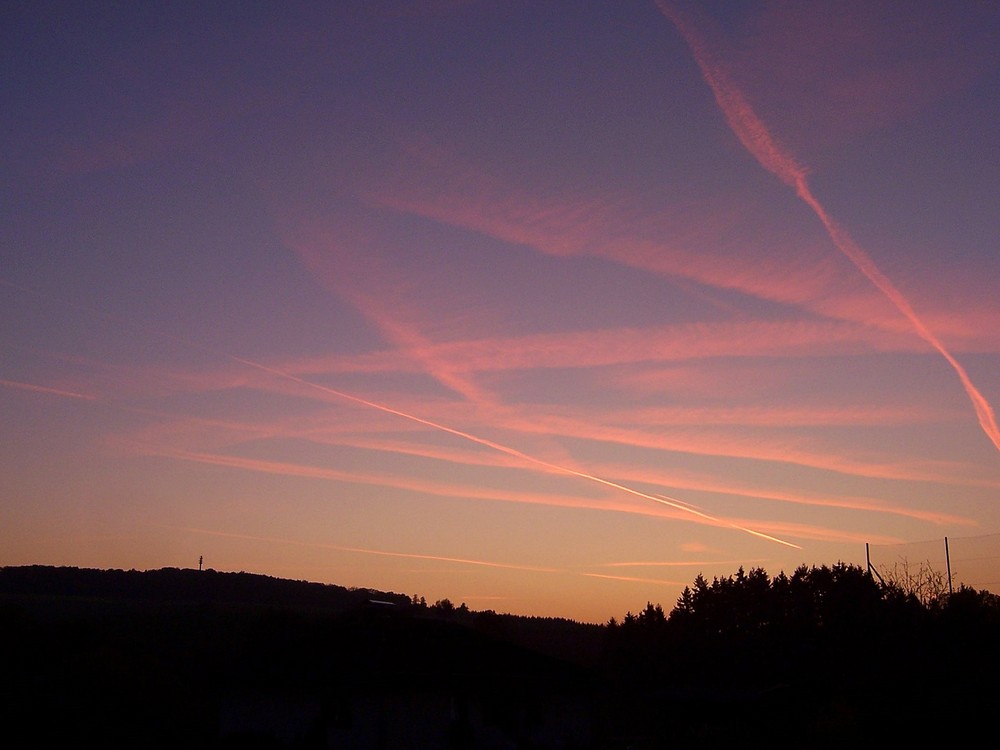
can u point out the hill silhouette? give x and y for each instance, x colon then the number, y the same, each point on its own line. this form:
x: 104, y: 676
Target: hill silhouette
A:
x: 178, y: 585
x: 202, y: 659
x: 184, y: 658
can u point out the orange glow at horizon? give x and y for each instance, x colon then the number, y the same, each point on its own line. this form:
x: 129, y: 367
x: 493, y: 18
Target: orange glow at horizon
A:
x: 381, y: 553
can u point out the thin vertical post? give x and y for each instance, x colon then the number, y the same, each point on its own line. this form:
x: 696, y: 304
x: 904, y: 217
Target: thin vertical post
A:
x: 947, y: 560
x: 872, y: 573
x: 201, y: 559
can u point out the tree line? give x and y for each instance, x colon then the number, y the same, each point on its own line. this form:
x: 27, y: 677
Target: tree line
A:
x: 832, y: 653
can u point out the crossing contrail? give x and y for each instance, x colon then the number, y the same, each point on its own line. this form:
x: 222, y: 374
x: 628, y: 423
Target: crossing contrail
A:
x: 757, y: 139
x: 661, y: 499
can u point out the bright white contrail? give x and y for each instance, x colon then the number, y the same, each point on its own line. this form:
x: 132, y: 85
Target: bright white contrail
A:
x: 755, y: 137
x: 663, y: 500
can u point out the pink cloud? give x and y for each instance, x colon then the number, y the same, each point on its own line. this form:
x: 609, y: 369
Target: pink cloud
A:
x: 691, y: 244
x: 351, y: 268
x: 757, y: 139
x: 729, y: 444
x: 459, y: 358
x: 434, y: 488
x: 706, y: 242
x: 189, y: 435
x: 685, y: 480
x: 696, y: 430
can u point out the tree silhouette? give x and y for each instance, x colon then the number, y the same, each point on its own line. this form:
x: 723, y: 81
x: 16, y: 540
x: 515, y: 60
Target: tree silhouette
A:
x: 839, y: 651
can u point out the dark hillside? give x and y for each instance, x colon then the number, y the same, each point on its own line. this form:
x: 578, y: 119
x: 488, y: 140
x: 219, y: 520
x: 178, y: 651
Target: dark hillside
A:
x: 181, y: 658
x: 178, y: 585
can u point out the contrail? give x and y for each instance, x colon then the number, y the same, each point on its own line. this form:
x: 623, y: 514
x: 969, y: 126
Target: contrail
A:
x: 633, y: 579
x: 755, y: 137
x: 363, y: 551
x: 42, y: 389
x: 415, y: 556
x: 663, y: 500
x: 675, y: 563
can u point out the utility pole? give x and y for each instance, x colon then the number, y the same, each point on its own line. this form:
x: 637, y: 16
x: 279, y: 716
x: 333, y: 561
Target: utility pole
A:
x: 947, y: 560
x: 201, y: 559
x: 871, y: 570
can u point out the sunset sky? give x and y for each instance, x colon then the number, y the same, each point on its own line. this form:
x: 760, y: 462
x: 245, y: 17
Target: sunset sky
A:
x: 546, y: 307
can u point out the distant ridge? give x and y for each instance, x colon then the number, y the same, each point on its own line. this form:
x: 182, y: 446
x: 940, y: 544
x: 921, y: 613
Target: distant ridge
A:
x: 202, y: 659
x: 55, y: 592
x: 179, y: 585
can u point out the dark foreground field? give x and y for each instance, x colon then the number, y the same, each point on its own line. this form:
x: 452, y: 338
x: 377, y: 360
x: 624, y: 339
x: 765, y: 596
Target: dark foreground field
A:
x: 191, y: 659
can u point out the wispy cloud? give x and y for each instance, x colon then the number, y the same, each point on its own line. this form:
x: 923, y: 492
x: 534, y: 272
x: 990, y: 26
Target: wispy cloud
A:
x: 705, y: 431
x: 788, y: 449
x: 675, y: 563
x: 635, y: 579
x: 452, y: 490
x: 530, y: 459
x: 757, y: 139
x: 365, y: 551
x: 339, y: 266
x: 684, y: 243
x: 689, y: 242
x: 193, y: 438
x: 621, y: 346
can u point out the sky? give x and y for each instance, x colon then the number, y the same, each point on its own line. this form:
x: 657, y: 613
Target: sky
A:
x: 544, y: 307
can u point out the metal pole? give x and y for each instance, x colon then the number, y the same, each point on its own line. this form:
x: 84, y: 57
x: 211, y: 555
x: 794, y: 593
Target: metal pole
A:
x: 947, y: 559
x: 871, y: 570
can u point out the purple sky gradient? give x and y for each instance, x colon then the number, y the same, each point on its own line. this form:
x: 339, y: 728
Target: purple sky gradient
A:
x: 544, y: 307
